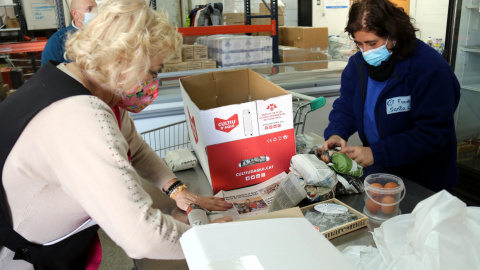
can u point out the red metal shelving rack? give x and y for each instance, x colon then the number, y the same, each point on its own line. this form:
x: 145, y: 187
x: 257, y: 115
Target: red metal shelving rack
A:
x: 247, y: 28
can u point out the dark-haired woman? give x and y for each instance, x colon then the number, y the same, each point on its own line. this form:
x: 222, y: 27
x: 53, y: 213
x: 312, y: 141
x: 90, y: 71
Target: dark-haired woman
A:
x: 400, y: 95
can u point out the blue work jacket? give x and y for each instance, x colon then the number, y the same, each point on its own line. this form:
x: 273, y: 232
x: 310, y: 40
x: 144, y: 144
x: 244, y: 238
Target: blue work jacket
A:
x: 414, y: 114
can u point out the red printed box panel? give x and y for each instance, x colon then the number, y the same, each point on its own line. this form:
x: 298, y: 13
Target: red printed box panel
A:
x: 250, y: 161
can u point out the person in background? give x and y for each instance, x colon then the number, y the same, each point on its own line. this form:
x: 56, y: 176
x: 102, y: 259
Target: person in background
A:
x: 82, y: 13
x: 400, y: 95
x: 79, y: 160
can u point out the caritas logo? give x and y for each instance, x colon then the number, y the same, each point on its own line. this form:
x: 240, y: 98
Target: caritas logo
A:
x: 193, y: 126
x: 271, y: 107
x: 226, y: 125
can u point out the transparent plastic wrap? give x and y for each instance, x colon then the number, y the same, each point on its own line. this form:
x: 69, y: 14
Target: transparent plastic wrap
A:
x: 313, y: 170
x: 180, y: 159
x: 341, y: 46
x: 233, y: 50
x: 329, y: 215
x: 441, y: 233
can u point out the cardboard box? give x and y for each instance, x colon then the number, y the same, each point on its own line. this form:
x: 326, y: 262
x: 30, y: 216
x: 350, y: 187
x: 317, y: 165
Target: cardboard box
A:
x: 200, y: 52
x: 175, y: 67
x: 238, y: 115
x: 208, y: 64
x: 187, y: 53
x: 263, y: 21
x: 194, y: 65
x: 177, y: 57
x: 303, y: 37
x: 233, y: 19
x: 264, y: 10
x: 362, y: 220
x: 289, y: 54
x: 194, y: 52
x: 13, y: 23
x: 280, y: 244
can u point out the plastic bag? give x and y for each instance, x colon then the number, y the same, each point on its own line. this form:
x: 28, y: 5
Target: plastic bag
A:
x: 314, y: 171
x: 180, y: 159
x: 444, y: 234
x: 441, y: 233
x: 348, y: 184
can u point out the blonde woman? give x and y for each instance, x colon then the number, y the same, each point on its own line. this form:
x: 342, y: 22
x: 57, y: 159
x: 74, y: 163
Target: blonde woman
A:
x: 70, y: 157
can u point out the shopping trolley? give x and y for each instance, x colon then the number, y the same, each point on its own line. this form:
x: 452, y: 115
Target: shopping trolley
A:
x: 302, y: 106
x: 175, y: 136
x: 168, y: 138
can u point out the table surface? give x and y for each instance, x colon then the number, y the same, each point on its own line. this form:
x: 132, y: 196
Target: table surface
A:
x: 198, y: 183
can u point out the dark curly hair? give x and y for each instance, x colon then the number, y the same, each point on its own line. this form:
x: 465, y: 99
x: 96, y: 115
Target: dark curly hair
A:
x: 384, y: 19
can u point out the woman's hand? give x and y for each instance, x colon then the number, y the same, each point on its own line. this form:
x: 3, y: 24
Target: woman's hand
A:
x: 186, y: 197
x: 334, y: 141
x: 222, y: 220
x: 362, y: 155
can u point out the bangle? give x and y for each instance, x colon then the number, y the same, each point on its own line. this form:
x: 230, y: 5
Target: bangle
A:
x: 177, y: 190
x: 173, y: 186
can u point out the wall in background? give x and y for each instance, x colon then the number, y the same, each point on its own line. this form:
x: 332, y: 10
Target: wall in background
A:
x: 430, y: 17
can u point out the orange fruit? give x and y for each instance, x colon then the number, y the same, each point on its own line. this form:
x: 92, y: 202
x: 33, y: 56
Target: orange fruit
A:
x: 390, y: 185
x: 388, y: 210
x: 372, y: 206
x: 373, y: 193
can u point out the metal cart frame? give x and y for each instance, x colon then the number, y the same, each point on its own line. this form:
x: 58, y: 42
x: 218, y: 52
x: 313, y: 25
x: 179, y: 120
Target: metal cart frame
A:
x: 175, y: 136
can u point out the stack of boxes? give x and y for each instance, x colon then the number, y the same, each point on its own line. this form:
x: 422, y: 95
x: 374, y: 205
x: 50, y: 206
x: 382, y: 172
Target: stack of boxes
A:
x: 300, y: 44
x: 238, y: 18
x: 233, y: 50
x: 189, y: 57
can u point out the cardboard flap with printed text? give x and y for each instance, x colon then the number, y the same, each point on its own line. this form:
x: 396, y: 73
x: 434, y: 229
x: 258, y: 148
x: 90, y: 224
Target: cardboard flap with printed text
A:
x: 228, y: 114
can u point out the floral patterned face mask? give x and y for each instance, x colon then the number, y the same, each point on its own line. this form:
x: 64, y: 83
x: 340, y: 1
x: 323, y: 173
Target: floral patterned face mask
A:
x: 146, y: 93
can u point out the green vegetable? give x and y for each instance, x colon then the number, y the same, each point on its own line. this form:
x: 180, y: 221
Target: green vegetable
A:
x: 345, y: 165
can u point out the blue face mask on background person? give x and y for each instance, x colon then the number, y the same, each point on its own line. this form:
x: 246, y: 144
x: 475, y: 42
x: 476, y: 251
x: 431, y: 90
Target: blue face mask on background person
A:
x: 88, y: 17
x: 375, y: 57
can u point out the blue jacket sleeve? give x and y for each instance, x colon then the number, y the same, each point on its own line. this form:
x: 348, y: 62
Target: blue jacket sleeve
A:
x: 54, y: 49
x: 434, y: 99
x: 342, y: 118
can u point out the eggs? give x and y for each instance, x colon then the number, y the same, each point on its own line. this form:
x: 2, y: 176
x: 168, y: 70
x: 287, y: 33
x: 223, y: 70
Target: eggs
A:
x: 388, y: 210
x: 390, y: 185
x: 372, y: 206
x: 382, y: 194
x: 373, y: 193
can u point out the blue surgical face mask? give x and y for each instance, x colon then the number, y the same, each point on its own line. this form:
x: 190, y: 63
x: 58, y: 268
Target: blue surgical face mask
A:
x: 375, y: 57
x: 88, y: 17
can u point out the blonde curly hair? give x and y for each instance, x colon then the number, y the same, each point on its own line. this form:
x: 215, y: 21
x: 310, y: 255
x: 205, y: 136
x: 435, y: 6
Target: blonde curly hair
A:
x: 116, y: 48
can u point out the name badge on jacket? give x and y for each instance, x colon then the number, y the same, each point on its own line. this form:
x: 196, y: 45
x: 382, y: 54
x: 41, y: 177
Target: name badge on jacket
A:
x: 398, y: 104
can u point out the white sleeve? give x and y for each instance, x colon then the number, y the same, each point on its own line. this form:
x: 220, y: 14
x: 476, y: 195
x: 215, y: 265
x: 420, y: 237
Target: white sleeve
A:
x: 146, y: 162
x: 95, y: 171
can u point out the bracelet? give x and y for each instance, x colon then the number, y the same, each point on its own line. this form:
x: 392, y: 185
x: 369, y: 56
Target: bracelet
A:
x: 173, y: 186
x: 177, y: 190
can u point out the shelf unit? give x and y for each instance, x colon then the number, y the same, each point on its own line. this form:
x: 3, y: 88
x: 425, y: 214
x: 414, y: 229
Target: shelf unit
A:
x: 247, y: 28
x: 21, y: 19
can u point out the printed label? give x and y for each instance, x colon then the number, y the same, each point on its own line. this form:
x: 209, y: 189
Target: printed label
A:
x: 330, y: 208
x: 226, y: 125
x: 398, y: 104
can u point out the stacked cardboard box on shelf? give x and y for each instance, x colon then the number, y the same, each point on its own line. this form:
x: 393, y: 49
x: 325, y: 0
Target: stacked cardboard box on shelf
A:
x: 239, y: 18
x: 189, y: 57
x: 302, y: 44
